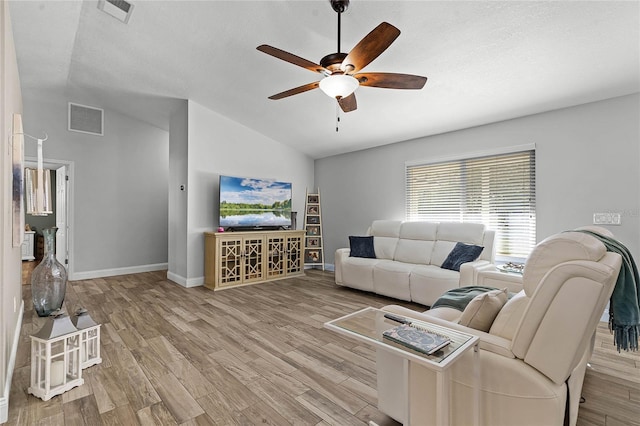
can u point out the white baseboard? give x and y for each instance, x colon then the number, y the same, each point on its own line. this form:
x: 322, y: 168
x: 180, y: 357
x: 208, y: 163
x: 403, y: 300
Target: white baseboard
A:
x: 327, y: 267
x: 195, y: 282
x: 185, y: 282
x: 4, y: 400
x: 88, y: 275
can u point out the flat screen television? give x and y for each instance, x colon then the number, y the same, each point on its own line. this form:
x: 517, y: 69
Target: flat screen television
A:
x: 254, y: 203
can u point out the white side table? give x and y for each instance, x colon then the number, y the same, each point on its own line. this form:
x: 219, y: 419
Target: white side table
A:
x: 367, y: 326
x: 490, y: 276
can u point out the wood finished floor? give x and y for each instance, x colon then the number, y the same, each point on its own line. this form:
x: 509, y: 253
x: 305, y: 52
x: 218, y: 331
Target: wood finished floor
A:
x: 247, y: 356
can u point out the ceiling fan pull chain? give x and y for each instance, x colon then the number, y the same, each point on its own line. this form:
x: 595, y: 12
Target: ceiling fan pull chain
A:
x: 339, y: 14
x: 337, y: 117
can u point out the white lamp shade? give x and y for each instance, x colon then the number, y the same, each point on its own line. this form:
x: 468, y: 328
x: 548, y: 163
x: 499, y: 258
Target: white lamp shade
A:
x: 339, y: 85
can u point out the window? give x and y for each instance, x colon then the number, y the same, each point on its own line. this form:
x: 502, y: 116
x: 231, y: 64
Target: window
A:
x: 498, y: 191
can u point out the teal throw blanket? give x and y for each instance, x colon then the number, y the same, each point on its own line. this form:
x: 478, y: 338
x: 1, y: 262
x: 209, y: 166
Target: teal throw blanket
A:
x: 458, y: 298
x: 624, y: 306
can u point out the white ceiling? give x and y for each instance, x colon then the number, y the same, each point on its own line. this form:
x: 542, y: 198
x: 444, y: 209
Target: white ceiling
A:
x: 486, y: 61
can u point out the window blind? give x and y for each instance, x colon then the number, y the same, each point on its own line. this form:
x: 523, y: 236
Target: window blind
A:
x: 498, y: 191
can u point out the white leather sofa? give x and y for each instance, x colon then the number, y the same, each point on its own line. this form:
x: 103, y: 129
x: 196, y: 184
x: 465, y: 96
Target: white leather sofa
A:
x: 409, y: 256
x: 537, y: 347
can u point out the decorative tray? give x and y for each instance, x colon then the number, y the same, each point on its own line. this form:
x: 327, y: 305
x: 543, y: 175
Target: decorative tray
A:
x: 515, y: 268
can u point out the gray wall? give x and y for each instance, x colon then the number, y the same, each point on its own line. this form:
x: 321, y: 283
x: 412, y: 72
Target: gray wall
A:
x: 586, y: 161
x: 118, y: 213
x: 178, y: 175
x: 217, y: 145
x: 11, y: 304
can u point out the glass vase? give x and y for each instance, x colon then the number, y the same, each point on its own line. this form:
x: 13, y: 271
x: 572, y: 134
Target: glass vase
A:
x: 49, y: 278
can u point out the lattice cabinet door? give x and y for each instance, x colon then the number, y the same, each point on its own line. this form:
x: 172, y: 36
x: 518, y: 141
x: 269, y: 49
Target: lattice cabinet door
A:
x: 238, y: 258
x: 253, y: 264
x: 230, y: 261
x: 276, y: 255
x: 294, y: 254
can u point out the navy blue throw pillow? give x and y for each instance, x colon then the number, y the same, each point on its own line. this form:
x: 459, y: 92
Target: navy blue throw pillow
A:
x: 362, y: 247
x: 461, y: 253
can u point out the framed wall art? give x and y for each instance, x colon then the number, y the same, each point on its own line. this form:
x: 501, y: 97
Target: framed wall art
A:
x: 313, y: 230
x: 313, y: 242
x: 17, y: 185
x: 312, y: 256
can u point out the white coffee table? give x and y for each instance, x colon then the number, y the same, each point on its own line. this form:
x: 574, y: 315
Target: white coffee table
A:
x: 367, y: 325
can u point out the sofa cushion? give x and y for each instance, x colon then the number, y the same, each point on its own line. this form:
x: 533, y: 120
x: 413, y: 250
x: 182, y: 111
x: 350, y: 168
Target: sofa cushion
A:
x: 471, y: 233
x: 508, y: 318
x: 428, y: 282
x: 391, y: 278
x: 445, y: 313
x: 416, y: 242
x: 461, y: 253
x: 441, y: 250
x: 419, y: 230
x: 358, y: 272
x: 414, y: 251
x: 483, y: 309
x: 386, y: 233
x: 385, y: 247
x: 450, y: 233
x: 361, y: 247
x: 385, y: 228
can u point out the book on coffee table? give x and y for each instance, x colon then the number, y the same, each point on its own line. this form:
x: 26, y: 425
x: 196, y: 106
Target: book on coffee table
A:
x: 417, y: 339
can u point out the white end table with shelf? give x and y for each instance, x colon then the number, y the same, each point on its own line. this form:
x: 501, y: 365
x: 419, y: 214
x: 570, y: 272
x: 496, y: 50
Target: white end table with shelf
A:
x: 367, y: 326
x: 492, y: 276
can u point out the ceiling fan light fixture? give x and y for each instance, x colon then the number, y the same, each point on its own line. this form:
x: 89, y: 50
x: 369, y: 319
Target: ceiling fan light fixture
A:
x: 339, y: 85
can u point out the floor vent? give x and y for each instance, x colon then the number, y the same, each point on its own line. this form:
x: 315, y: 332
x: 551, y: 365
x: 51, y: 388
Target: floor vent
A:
x: 86, y: 119
x: 119, y: 9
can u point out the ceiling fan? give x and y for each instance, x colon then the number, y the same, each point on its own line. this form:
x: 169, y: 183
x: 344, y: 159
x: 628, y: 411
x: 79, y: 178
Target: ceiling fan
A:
x: 340, y: 70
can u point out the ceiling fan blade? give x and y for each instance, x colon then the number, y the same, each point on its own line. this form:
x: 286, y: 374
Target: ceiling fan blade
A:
x: 349, y: 103
x: 389, y: 80
x: 291, y: 58
x: 296, y: 90
x: 370, y: 47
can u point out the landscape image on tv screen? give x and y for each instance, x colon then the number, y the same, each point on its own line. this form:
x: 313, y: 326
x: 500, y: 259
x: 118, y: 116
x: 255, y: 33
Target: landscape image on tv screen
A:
x: 247, y: 202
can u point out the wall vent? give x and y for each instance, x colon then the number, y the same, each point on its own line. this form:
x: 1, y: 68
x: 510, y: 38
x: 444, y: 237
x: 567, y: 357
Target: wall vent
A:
x: 119, y: 9
x: 86, y: 119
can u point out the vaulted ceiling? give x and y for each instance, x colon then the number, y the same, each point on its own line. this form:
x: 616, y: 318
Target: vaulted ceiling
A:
x: 486, y: 61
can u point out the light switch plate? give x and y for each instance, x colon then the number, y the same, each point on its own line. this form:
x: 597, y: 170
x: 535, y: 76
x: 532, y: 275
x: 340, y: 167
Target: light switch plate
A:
x: 606, y: 219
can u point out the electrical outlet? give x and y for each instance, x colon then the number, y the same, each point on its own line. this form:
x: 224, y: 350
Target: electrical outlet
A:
x: 606, y: 219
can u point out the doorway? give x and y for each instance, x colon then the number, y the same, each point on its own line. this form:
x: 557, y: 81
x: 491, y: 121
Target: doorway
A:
x: 61, y: 172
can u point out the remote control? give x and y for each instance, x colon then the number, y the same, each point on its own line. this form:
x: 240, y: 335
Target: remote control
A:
x: 397, y: 318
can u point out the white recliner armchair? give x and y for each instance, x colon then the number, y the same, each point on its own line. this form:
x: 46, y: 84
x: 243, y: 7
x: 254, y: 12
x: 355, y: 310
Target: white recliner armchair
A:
x: 537, y: 347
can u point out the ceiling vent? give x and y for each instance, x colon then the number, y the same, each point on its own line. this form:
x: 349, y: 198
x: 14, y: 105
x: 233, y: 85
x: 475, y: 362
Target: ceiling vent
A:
x: 86, y: 119
x: 119, y: 9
